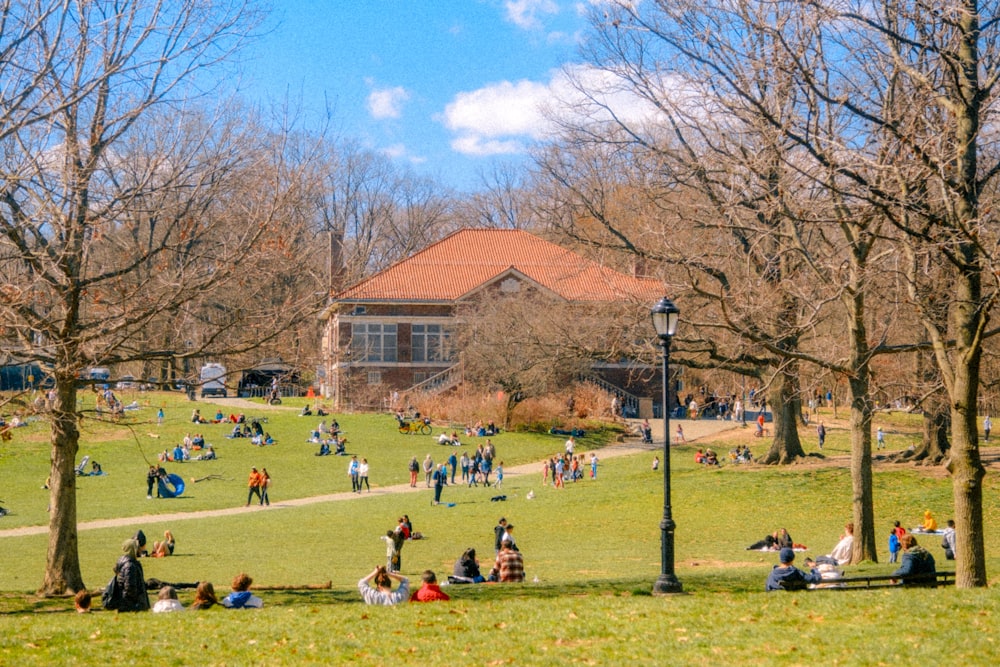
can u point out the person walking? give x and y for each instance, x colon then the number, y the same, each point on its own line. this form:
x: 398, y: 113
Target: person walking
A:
x: 440, y: 480
x: 265, y: 485
x: 987, y: 427
x: 363, y: 475
x: 821, y: 434
x: 414, y: 468
x: 453, y: 462
x: 593, y: 465
x: 353, y: 470
x: 880, y: 438
x: 253, y: 486
x: 428, y: 469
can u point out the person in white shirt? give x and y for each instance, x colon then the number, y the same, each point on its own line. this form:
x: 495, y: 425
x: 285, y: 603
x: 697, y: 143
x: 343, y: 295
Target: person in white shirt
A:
x: 167, y: 601
x: 841, y: 554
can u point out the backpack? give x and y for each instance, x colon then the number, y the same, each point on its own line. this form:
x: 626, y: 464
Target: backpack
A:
x: 111, y: 598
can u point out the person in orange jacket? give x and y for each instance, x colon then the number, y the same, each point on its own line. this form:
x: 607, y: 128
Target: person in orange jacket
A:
x: 253, y: 486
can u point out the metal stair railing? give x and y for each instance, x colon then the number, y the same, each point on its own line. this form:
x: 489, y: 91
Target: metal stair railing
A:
x: 435, y: 384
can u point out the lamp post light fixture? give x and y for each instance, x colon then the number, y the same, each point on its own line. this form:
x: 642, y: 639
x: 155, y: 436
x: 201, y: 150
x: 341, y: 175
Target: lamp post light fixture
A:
x: 665, y: 315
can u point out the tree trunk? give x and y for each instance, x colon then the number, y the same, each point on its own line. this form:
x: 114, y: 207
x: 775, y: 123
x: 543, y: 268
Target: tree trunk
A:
x: 861, y: 468
x: 934, y: 446
x: 786, y: 406
x: 966, y: 468
x: 62, y: 562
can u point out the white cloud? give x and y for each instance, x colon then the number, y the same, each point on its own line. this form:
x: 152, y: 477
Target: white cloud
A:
x: 526, y: 13
x: 400, y: 152
x: 387, y: 102
x: 505, y: 117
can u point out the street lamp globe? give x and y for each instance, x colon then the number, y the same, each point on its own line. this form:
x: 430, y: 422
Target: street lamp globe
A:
x: 665, y: 315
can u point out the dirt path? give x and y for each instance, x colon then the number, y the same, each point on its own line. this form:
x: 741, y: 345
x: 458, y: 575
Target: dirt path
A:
x: 692, y: 431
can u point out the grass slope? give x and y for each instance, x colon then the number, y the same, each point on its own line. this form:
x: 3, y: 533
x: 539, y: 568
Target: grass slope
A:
x: 594, y: 548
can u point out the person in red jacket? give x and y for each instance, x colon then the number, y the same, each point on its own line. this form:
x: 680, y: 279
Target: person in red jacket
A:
x: 430, y: 591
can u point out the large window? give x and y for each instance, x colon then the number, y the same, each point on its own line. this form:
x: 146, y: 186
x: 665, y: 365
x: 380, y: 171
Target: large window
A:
x: 431, y: 342
x: 373, y: 342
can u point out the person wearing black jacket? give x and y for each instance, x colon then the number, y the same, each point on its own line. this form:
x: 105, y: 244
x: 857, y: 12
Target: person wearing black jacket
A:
x: 131, y: 580
x: 467, y: 568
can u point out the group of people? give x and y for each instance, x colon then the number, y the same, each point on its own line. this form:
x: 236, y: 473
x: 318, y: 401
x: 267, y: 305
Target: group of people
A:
x: 358, y: 472
x: 259, y: 484
x: 377, y: 587
x: 741, y: 454
x: 476, y: 469
x: 395, y: 539
x: 127, y: 590
x: 707, y: 457
x: 192, y: 448
x: 560, y: 468
x: 327, y: 436
x: 916, y: 562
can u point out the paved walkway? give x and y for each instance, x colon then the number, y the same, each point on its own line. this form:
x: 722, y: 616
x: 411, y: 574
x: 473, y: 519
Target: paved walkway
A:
x: 693, y: 430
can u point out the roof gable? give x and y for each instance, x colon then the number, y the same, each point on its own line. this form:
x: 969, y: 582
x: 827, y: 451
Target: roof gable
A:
x: 470, y: 258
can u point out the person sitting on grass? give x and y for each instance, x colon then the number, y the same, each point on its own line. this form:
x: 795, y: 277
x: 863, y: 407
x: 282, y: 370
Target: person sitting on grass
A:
x: 241, y: 597
x: 466, y: 569
x: 917, y: 562
x: 430, y: 591
x: 841, y: 554
x: 787, y: 577
x: 204, y: 596
x: 167, y: 601
x: 381, y: 593
x: 509, y: 566
x: 324, y: 449
x: 81, y: 601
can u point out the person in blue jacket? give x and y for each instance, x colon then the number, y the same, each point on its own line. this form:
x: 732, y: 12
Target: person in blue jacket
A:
x: 893, y: 546
x: 788, y: 577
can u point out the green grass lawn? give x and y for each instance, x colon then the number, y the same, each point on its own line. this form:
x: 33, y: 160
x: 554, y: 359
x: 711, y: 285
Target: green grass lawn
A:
x: 593, y: 547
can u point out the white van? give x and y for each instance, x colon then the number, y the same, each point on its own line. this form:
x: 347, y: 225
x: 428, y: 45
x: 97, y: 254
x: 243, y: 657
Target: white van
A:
x: 213, y: 380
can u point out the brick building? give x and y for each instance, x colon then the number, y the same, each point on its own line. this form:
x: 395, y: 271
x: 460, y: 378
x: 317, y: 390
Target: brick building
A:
x: 394, y: 330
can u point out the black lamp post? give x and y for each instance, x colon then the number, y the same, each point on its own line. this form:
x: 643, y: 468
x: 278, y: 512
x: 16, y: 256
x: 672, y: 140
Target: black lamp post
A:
x: 665, y: 315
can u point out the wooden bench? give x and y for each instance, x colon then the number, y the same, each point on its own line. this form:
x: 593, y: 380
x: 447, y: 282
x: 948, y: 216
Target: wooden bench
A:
x: 873, y: 581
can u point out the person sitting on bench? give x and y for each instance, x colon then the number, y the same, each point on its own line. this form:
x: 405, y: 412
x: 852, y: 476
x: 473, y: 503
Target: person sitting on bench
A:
x: 787, y: 577
x: 917, y: 561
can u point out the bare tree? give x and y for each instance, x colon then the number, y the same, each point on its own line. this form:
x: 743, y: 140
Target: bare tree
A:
x: 531, y: 343
x: 880, y: 111
x: 107, y: 227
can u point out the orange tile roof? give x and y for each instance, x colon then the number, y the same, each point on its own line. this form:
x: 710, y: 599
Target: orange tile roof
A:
x: 467, y: 259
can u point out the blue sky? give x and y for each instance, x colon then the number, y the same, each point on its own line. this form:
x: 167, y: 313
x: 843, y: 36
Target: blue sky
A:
x: 443, y: 86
